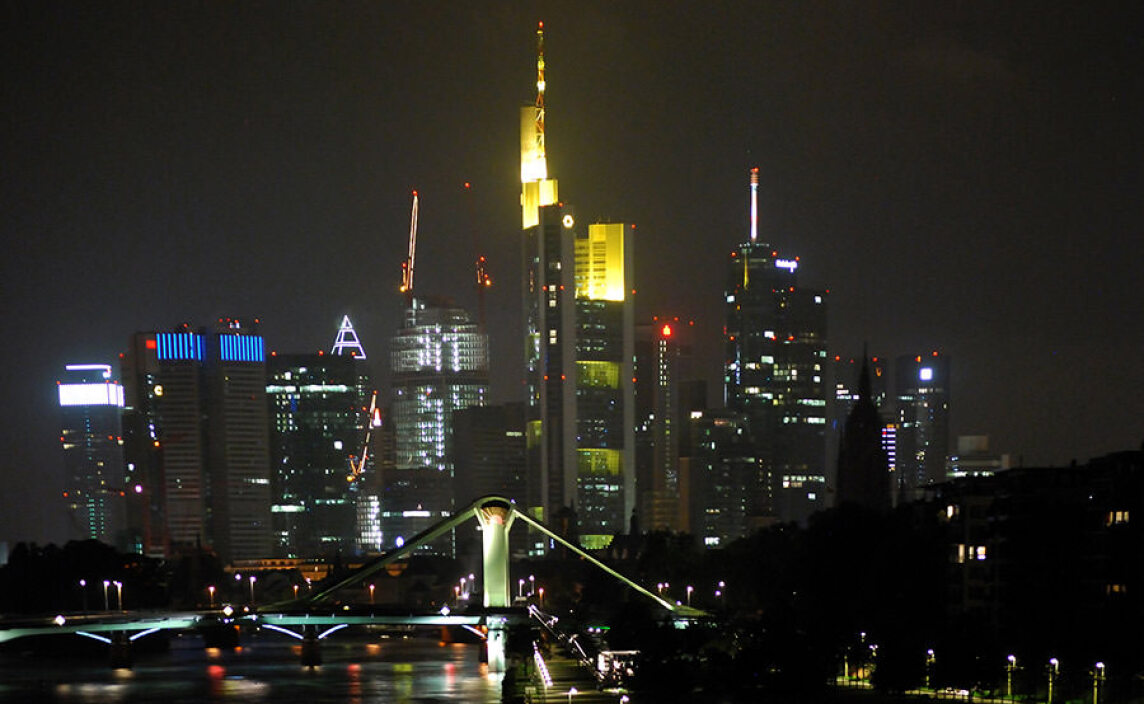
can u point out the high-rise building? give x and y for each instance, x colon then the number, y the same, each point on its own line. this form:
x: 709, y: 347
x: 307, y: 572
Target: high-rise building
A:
x: 198, y: 447
x: 492, y: 459
x: 661, y: 421
x: 579, y: 320
x: 439, y: 365
x: 922, y: 394
x: 724, y: 478
x: 775, y: 367
x: 91, y: 410
x: 317, y: 430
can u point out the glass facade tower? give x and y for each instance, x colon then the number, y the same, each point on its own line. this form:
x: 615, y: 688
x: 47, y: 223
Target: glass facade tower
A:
x: 91, y: 410
x: 439, y: 362
x: 774, y: 371
x: 317, y: 428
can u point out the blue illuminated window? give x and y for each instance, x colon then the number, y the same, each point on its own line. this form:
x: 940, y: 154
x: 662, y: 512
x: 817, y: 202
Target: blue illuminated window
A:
x: 241, y: 348
x: 179, y: 345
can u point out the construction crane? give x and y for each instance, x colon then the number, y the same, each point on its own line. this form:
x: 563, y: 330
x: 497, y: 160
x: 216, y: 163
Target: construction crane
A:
x: 483, y: 282
x: 483, y: 278
x: 407, y: 266
x: 373, y: 421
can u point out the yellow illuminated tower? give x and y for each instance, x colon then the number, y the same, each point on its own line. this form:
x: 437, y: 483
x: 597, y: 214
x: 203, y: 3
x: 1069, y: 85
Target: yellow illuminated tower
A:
x: 579, y: 347
x: 536, y: 189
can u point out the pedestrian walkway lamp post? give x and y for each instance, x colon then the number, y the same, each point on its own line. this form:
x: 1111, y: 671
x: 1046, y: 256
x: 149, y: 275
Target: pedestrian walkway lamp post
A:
x: 253, y: 579
x: 210, y: 591
x: 571, y: 691
x: 119, y: 594
x: 83, y: 593
x: 371, y: 595
x: 1009, y: 667
x: 106, y: 584
x: 930, y: 660
x: 689, y: 590
x: 1054, y: 669
x: 1097, y: 681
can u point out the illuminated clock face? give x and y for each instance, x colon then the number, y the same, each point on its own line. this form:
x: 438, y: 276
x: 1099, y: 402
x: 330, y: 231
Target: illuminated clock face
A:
x: 568, y: 222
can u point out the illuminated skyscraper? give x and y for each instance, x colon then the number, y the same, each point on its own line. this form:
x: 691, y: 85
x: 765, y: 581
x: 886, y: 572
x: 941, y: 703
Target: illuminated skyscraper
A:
x: 579, y: 320
x: 922, y: 390
x: 439, y: 364
x: 198, y: 457
x: 774, y: 369
x: 91, y: 409
x: 317, y: 426
x: 661, y: 422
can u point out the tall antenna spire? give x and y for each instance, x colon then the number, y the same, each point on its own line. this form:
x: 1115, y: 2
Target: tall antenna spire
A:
x: 347, y: 341
x: 540, y: 90
x: 754, y: 204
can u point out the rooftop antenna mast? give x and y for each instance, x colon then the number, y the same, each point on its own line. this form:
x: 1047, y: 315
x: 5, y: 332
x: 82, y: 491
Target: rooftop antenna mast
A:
x: 754, y: 204
x: 407, y: 266
x: 540, y: 91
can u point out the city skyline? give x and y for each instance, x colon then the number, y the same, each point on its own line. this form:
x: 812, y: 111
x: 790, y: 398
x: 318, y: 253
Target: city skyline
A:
x: 961, y: 179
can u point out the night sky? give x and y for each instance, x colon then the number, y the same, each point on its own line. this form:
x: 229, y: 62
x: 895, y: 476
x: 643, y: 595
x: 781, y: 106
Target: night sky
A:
x: 962, y: 176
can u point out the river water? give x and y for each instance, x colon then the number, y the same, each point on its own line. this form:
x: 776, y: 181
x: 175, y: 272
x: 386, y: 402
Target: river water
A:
x: 360, y: 669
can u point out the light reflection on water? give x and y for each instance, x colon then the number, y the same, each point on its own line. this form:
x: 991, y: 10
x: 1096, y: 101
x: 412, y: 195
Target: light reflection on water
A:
x: 359, y: 670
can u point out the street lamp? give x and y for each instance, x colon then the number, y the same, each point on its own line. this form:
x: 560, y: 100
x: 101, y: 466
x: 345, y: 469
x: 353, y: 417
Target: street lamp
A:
x: 1054, y: 668
x: 930, y: 659
x: 1009, y: 667
x: 531, y: 585
x: 571, y: 691
x: 519, y: 588
x: 456, y: 595
x: 463, y: 588
x: 371, y: 594
x: 119, y: 594
x: 106, y: 584
x: 210, y: 591
x: 253, y: 579
x: 83, y: 593
x: 1097, y: 680
x: 689, y: 590
x: 295, y: 592
x: 541, y: 593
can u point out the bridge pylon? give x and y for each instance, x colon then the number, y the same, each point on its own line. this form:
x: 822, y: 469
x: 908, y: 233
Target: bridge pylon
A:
x: 496, y: 518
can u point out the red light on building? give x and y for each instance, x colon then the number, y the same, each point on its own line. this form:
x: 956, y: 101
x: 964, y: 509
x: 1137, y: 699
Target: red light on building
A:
x: 151, y: 344
x: 666, y: 331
